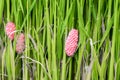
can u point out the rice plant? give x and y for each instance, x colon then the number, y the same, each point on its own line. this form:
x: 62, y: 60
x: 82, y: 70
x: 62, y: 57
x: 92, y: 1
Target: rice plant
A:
x: 59, y: 39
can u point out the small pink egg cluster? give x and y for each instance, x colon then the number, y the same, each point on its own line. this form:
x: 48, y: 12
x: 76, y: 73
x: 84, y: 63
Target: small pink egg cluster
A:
x: 71, y: 42
x: 10, y: 32
x: 20, y: 45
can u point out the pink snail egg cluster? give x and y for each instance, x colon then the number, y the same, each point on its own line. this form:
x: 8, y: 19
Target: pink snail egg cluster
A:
x: 20, y: 45
x: 10, y: 29
x: 71, y: 42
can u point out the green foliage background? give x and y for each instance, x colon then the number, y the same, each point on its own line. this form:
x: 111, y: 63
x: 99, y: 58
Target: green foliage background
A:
x: 46, y: 24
